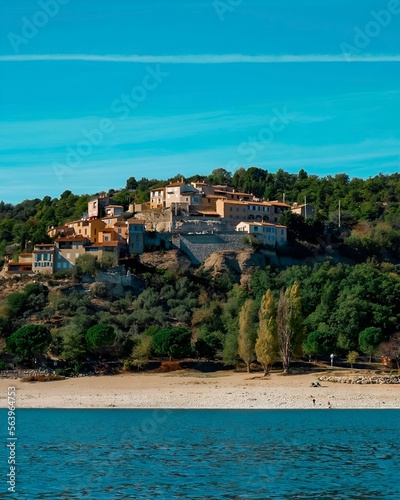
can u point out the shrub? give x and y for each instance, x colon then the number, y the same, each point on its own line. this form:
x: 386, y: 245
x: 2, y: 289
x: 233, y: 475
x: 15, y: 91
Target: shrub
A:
x: 169, y: 366
x: 43, y: 378
x: 173, y: 342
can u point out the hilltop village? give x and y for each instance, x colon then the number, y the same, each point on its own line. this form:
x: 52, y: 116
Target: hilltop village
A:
x: 196, y: 218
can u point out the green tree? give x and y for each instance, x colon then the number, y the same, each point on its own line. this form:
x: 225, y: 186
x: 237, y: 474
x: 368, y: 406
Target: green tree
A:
x: 108, y: 259
x: 100, y: 336
x: 247, y: 333
x: 174, y: 342
x: 73, y: 343
x: 16, y: 303
x: 352, y: 357
x: 87, y: 264
x: 29, y: 341
x: 320, y: 342
x: 369, y: 339
x: 230, y: 318
x: 267, y: 334
x: 289, y: 324
x: 141, y: 352
x: 131, y: 183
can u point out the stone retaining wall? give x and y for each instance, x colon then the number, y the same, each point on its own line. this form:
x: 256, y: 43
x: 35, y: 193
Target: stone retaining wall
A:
x: 362, y: 379
x: 21, y: 373
x: 198, y: 247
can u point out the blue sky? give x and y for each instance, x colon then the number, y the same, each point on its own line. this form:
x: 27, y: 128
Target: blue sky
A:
x: 102, y: 90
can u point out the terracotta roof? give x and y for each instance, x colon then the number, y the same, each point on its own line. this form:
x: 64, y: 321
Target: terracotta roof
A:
x: 174, y: 184
x: 279, y: 204
x: 236, y: 193
x: 48, y: 250
x: 260, y: 203
x: 136, y: 221
x: 72, y: 238
x: 238, y: 202
x: 25, y: 254
x: 105, y: 244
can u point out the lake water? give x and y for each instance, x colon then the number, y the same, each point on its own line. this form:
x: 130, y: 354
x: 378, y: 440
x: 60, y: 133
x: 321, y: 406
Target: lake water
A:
x: 205, y: 454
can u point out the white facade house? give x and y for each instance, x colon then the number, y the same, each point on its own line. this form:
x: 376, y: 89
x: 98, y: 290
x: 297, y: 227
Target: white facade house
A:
x: 269, y: 234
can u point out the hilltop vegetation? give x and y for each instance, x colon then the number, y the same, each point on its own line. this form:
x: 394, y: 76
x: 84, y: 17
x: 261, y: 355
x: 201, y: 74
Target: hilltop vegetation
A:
x: 370, y: 208
x: 342, y: 308
x: 181, y: 312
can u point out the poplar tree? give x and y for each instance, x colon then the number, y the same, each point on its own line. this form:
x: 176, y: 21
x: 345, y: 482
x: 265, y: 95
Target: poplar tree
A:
x: 289, y: 324
x: 267, y: 333
x: 247, y: 333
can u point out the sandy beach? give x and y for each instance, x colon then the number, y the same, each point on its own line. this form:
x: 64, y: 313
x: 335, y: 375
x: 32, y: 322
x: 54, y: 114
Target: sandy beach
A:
x: 198, y: 390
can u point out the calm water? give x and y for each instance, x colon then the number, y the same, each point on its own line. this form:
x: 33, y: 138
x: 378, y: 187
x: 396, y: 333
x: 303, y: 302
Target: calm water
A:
x: 205, y: 454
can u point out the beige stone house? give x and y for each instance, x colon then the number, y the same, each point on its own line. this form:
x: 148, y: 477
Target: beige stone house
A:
x: 269, y: 234
x: 43, y: 258
x: 23, y: 266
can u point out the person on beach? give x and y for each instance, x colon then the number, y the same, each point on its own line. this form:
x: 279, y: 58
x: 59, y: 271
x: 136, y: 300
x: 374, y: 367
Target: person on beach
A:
x: 313, y: 401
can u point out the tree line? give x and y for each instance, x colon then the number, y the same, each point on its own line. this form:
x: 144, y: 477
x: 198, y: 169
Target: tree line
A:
x: 369, y: 207
x: 278, y: 315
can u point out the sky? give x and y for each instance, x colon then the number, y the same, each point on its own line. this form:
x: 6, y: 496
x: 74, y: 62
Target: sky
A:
x: 93, y: 92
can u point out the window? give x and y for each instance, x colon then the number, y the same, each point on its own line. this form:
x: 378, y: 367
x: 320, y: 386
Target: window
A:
x: 105, y: 238
x: 119, y: 230
x: 68, y: 255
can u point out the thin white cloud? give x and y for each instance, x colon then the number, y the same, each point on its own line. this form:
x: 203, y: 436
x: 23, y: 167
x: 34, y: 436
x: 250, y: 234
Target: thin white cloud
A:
x: 206, y: 58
